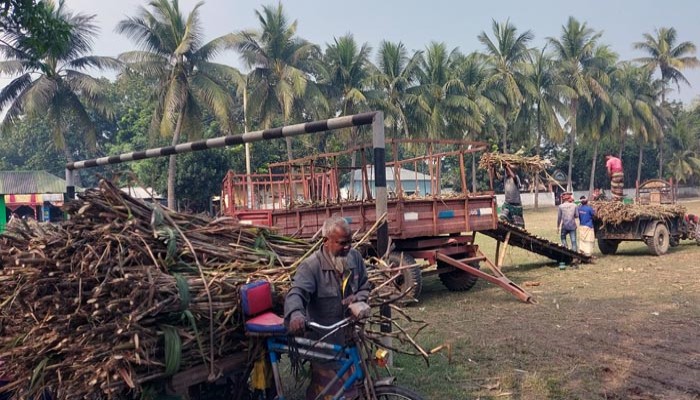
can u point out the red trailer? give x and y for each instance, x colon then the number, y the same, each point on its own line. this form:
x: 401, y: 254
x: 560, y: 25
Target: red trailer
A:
x: 431, y: 214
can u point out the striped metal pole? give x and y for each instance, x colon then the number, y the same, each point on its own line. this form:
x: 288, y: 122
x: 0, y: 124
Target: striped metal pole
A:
x: 380, y: 209
x: 231, y: 140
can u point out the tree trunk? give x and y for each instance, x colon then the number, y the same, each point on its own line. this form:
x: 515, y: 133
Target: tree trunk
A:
x: 172, y: 166
x: 661, y: 158
x: 537, y: 153
x: 288, y: 140
x: 622, y: 142
x: 639, y: 163
x: 474, y: 173
x: 353, y: 162
x: 661, y: 140
x: 591, y: 185
x: 574, y: 106
x: 505, y: 132
x: 75, y: 174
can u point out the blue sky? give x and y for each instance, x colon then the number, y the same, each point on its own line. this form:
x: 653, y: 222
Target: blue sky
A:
x: 416, y: 23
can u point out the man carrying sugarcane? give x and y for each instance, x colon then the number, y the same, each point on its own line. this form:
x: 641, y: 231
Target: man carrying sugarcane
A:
x: 512, y: 208
x: 617, y: 176
x: 326, y: 284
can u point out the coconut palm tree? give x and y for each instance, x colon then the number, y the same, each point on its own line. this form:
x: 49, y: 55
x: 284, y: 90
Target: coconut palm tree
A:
x: 684, y: 139
x: 474, y: 73
x: 506, y: 54
x: 52, y: 81
x: 670, y: 58
x: 546, y: 101
x: 347, y: 71
x: 173, y: 52
x: 281, y: 66
x: 438, y: 101
x: 635, y: 94
x: 394, y: 74
x: 574, y: 51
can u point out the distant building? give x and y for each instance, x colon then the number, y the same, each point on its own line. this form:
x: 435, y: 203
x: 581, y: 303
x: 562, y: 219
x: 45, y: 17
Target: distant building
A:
x: 412, y: 182
x: 145, y: 194
x: 30, y: 194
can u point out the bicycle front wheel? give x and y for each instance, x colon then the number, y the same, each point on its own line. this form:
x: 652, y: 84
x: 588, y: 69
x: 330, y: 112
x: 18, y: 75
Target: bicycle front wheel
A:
x: 392, y: 392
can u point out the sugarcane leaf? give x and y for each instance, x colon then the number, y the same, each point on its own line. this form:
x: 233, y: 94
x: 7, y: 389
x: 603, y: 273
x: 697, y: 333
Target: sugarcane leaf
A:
x: 188, y: 316
x: 38, y: 373
x: 183, y: 289
x: 173, y: 349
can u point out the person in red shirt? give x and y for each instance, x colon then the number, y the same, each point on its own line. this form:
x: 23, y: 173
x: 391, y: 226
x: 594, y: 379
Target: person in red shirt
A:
x: 617, y: 176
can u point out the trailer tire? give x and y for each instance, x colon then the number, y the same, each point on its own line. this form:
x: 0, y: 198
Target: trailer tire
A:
x: 659, y: 243
x: 410, y: 276
x: 458, y: 280
x: 608, y: 246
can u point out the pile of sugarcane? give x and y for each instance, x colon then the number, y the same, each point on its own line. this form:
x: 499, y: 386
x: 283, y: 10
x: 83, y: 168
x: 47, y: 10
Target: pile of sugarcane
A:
x: 616, y: 212
x: 125, y: 293
x: 498, y: 161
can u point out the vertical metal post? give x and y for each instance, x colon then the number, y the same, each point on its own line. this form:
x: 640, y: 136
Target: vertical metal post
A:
x: 70, y: 188
x: 381, y: 205
x: 249, y: 179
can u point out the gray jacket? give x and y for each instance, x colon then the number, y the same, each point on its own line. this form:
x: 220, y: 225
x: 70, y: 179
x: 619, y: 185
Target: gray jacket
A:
x: 317, y: 292
x: 567, y: 215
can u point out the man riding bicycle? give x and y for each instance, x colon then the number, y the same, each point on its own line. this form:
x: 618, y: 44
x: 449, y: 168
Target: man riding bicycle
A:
x: 323, y: 287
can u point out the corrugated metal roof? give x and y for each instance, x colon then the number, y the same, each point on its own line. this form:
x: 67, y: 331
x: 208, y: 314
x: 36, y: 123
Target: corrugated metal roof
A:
x: 30, y: 182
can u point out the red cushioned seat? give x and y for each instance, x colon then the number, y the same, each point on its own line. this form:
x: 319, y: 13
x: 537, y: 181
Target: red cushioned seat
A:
x: 256, y: 302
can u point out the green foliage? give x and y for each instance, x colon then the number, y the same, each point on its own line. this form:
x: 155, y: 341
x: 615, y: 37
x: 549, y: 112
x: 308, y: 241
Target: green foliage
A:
x: 35, y: 21
x: 568, y: 101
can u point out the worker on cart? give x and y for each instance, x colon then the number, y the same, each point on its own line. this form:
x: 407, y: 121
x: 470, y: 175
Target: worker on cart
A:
x: 324, y: 286
x: 512, y: 208
x: 617, y: 176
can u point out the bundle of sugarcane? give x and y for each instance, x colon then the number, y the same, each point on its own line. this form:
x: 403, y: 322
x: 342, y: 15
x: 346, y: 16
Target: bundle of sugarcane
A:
x: 529, y: 164
x: 616, y: 212
x: 125, y: 293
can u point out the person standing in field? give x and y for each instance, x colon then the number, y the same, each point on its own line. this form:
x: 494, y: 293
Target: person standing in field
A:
x: 566, y: 220
x: 587, y: 233
x: 617, y: 176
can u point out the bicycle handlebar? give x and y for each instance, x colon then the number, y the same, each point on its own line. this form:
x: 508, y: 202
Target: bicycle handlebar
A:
x: 335, y: 326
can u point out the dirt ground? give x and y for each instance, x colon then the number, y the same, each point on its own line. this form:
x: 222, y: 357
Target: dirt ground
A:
x: 625, y: 327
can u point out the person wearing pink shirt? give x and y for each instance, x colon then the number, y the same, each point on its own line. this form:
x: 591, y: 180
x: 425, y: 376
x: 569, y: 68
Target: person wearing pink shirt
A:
x: 617, y: 176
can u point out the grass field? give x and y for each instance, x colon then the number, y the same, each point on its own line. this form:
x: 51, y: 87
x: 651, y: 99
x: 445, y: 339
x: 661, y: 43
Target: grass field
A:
x: 625, y: 327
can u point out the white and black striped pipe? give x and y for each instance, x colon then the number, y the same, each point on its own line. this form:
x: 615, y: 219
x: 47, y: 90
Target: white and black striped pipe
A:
x: 231, y: 140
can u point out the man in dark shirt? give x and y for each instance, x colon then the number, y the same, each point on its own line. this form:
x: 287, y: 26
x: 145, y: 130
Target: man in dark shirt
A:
x: 324, y: 285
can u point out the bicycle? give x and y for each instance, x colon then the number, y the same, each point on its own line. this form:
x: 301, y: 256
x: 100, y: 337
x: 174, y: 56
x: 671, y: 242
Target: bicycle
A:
x: 353, y: 356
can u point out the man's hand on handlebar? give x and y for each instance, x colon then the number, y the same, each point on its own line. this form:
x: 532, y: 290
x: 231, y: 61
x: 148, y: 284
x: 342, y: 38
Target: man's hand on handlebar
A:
x: 297, y: 325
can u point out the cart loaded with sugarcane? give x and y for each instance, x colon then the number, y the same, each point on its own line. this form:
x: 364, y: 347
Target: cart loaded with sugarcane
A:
x: 127, y: 299
x: 431, y: 213
x: 654, y: 218
x: 511, y: 226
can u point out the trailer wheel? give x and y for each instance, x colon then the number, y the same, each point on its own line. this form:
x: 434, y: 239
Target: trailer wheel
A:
x: 608, y: 246
x: 458, y: 280
x: 658, y: 244
x: 410, y: 277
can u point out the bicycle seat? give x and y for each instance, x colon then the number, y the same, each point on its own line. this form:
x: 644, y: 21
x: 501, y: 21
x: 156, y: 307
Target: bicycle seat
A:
x: 256, y: 302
